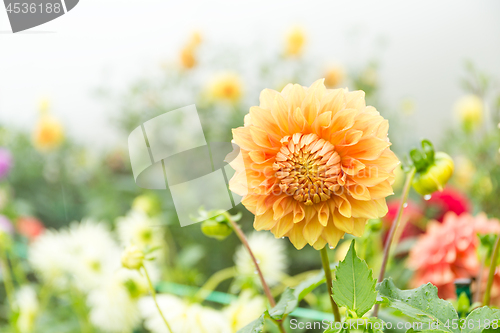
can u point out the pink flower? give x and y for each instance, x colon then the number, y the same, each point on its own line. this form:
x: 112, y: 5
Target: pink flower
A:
x: 5, y: 162
x: 6, y: 225
x: 447, y: 251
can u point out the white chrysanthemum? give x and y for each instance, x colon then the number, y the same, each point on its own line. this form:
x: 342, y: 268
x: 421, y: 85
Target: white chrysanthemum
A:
x: 114, y: 306
x: 141, y: 230
x: 28, y: 307
x: 270, y: 254
x: 181, y: 316
x: 49, y: 258
x: 244, y: 310
x: 95, y: 253
x: 83, y: 254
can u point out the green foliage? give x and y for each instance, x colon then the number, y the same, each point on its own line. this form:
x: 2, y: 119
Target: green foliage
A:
x: 287, y: 303
x: 485, y: 316
x: 307, y: 286
x: 422, y: 304
x: 255, y: 326
x: 463, y: 304
x: 354, y: 286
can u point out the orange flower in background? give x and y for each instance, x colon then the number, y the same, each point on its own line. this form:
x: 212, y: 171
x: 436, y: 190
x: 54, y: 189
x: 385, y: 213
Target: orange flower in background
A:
x: 316, y: 164
x: 334, y: 76
x: 49, y: 133
x: 188, y: 53
x: 448, y: 251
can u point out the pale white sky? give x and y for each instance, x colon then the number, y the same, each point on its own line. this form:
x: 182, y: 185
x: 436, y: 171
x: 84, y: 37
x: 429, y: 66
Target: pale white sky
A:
x: 114, y: 41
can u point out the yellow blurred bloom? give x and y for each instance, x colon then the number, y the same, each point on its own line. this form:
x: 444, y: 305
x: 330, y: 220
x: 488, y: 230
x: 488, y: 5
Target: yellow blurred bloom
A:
x: 334, y: 76
x: 226, y: 87
x: 188, y: 53
x: 315, y: 164
x: 49, y: 133
x: 295, y: 41
x: 470, y: 110
x: 408, y: 106
x: 464, y: 172
x: 188, y: 59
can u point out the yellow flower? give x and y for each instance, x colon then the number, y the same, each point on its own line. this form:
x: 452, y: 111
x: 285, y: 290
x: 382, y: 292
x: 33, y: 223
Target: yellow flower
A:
x: 226, y: 87
x: 464, y: 172
x: 334, y: 76
x: 316, y: 164
x: 295, y: 41
x: 49, y: 133
x: 469, y: 109
x: 188, y: 53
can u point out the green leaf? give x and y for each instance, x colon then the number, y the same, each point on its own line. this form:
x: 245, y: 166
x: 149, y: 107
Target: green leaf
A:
x: 306, y: 286
x: 255, y: 326
x: 287, y: 303
x: 354, y: 286
x: 422, y: 304
x: 480, y: 315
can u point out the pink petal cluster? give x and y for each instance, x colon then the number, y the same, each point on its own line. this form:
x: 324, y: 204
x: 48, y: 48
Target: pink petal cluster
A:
x: 448, y: 251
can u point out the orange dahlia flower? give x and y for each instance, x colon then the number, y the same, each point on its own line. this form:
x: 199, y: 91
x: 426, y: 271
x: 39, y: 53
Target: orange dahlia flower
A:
x: 448, y: 251
x: 316, y: 164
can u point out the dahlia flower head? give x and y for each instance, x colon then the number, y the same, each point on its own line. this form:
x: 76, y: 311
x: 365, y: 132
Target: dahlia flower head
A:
x: 447, y: 251
x: 315, y: 164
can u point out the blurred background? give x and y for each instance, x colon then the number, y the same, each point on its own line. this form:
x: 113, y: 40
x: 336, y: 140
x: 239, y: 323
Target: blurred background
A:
x: 72, y: 90
x: 420, y: 48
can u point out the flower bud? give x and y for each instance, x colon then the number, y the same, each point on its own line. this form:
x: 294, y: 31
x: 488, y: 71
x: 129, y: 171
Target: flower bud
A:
x: 216, y: 229
x: 435, y: 175
x: 374, y: 225
x: 132, y: 257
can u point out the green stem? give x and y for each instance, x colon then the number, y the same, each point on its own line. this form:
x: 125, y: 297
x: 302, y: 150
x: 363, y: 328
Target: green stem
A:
x: 328, y: 274
x: 7, y: 278
x: 491, y: 274
x: 394, y: 226
x: 153, y: 294
x: 280, y: 326
x: 213, y: 282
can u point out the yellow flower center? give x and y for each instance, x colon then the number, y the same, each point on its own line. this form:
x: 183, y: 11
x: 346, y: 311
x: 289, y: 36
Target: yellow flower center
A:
x: 307, y: 167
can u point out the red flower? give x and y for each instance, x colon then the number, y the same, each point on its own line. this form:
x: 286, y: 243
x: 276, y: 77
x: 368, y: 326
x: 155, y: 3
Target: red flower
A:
x: 30, y: 227
x: 449, y: 200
